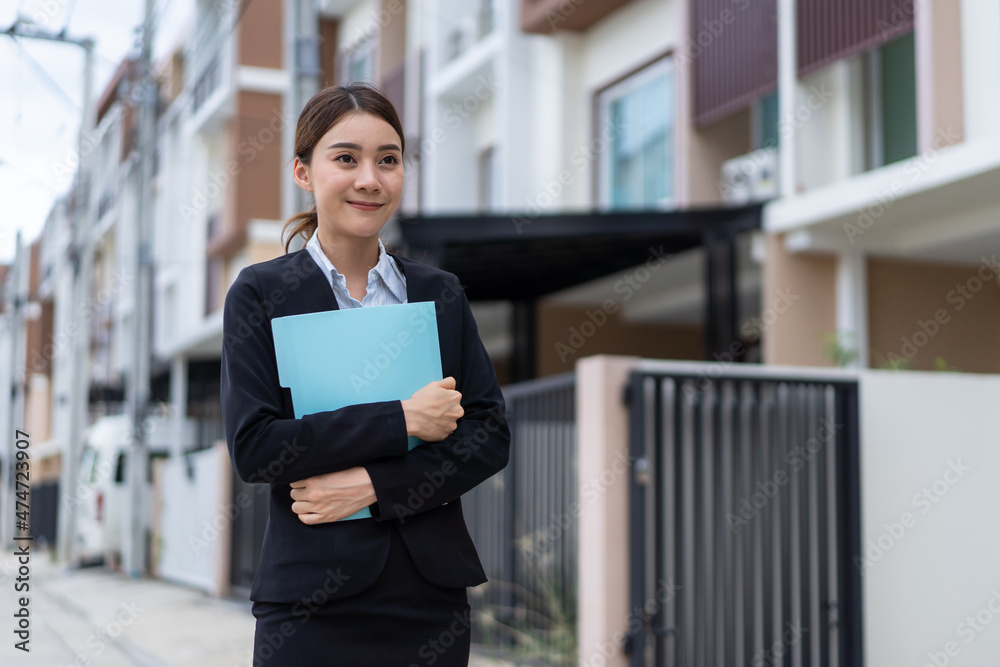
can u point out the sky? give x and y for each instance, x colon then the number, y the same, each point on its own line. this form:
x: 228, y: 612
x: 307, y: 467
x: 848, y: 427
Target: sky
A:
x: 41, y: 91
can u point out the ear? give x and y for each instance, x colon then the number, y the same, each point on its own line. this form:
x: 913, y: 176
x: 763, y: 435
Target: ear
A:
x: 300, y: 172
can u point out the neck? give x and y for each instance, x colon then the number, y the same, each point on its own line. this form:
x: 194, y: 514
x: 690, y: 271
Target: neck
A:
x: 353, y: 257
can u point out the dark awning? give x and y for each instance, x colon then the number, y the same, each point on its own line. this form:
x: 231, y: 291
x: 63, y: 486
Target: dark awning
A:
x: 518, y: 257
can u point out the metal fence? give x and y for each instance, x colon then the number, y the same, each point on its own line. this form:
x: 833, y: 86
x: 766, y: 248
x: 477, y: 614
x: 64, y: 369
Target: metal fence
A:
x: 745, y: 516
x: 523, y: 523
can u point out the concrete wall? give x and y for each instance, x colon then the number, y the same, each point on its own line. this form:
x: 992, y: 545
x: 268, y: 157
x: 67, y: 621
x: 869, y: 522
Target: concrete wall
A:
x: 194, y: 524
x: 980, y: 20
x: 563, y: 339
x: 929, y: 470
x: 929, y: 465
x: 921, y: 311
x: 795, y: 337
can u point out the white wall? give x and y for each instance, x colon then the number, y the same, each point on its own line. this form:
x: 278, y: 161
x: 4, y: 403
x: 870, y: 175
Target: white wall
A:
x: 921, y: 431
x: 980, y: 65
x: 196, y: 519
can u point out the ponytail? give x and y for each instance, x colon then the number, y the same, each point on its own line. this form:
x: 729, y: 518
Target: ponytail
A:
x: 301, y: 224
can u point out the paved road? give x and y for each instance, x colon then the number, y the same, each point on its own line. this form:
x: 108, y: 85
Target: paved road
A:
x: 96, y: 618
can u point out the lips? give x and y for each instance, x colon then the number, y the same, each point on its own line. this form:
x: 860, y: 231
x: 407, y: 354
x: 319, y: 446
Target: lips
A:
x: 365, y: 205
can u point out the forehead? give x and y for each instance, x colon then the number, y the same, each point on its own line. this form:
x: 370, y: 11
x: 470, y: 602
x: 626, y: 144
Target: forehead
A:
x: 364, y: 129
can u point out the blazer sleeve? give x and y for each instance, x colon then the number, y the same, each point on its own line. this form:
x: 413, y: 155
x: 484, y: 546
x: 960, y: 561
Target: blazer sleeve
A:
x: 264, y: 444
x: 435, y: 473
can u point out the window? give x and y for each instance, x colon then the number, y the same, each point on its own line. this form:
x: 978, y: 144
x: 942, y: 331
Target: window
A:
x: 892, y: 102
x: 635, y: 138
x: 765, y: 122
x: 359, y: 64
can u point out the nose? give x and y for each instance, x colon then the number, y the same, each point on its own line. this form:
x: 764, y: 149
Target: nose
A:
x: 367, y: 177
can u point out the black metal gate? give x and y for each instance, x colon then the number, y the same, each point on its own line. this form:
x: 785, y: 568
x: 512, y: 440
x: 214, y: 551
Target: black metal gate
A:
x: 745, y: 518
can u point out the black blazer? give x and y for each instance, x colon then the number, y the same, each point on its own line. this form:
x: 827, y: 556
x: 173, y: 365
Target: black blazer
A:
x: 268, y: 445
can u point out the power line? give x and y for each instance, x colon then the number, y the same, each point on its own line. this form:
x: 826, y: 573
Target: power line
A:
x: 45, y: 76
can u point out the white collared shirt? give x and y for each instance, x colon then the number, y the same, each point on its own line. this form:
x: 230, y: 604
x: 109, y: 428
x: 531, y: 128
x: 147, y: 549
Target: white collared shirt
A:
x: 386, y: 283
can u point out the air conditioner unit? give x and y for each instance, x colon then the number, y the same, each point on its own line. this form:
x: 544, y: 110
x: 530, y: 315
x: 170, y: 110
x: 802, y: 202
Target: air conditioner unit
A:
x: 750, y: 178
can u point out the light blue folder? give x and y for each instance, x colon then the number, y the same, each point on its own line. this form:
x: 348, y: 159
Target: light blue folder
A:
x: 345, y: 357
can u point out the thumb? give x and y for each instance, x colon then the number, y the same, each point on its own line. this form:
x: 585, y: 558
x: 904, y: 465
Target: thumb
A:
x: 447, y: 383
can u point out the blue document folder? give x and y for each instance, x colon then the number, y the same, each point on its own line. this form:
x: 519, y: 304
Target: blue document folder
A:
x: 336, y: 358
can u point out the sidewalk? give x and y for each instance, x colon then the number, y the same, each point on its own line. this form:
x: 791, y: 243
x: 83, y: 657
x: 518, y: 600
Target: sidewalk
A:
x: 96, y: 618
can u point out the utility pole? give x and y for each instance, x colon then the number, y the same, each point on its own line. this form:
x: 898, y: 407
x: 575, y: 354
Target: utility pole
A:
x: 80, y: 259
x: 135, y: 543
x: 18, y: 299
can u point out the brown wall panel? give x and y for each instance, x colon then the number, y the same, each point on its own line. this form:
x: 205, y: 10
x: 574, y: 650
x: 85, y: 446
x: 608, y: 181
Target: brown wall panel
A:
x: 558, y: 348
x: 733, y: 46
x: 829, y: 30
x: 260, y: 34
x: 922, y: 311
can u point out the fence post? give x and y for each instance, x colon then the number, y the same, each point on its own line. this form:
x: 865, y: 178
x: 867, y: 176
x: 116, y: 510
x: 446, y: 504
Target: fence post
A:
x: 603, y: 473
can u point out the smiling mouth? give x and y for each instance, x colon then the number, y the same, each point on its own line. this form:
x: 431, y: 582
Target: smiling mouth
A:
x: 365, y: 205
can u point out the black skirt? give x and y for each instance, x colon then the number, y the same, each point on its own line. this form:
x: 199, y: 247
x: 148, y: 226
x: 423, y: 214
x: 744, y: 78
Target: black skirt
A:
x: 402, y: 620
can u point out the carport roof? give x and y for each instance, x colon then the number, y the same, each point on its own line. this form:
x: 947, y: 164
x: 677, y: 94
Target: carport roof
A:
x: 518, y: 257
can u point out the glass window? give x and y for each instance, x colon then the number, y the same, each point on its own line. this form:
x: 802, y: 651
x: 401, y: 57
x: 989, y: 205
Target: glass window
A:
x: 360, y: 65
x: 637, y: 122
x: 898, y: 79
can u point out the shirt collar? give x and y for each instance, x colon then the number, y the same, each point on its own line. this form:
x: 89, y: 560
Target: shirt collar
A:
x: 385, y: 267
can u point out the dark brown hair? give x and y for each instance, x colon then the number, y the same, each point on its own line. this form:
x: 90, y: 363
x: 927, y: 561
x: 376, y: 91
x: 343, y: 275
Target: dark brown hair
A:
x: 324, y: 110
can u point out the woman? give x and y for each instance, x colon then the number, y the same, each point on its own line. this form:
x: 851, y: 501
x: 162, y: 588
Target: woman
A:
x: 388, y: 590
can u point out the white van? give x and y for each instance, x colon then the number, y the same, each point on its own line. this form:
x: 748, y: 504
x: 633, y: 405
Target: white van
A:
x: 102, y: 490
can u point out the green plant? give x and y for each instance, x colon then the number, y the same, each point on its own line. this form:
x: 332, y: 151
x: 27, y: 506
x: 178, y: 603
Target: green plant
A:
x: 840, y: 347
x: 540, y: 624
x: 941, y: 365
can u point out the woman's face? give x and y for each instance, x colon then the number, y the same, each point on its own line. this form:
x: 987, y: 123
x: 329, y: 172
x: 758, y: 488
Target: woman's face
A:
x: 355, y: 175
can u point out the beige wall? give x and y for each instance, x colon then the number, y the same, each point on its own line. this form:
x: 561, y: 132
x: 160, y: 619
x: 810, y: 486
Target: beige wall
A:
x: 917, y: 311
x: 943, y: 74
x: 795, y: 336
x: 558, y: 348
x: 710, y: 147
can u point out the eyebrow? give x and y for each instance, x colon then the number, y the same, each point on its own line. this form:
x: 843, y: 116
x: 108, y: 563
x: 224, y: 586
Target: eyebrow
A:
x: 357, y: 147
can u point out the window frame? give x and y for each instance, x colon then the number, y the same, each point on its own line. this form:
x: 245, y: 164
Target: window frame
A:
x: 603, y: 99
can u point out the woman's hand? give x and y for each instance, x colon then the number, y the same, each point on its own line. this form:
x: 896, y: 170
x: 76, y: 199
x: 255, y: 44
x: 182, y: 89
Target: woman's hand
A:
x: 333, y: 496
x: 432, y: 413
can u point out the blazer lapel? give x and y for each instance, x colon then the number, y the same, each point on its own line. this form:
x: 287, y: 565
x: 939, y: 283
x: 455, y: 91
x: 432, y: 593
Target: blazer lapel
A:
x: 316, y: 285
